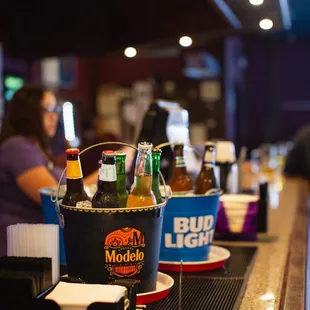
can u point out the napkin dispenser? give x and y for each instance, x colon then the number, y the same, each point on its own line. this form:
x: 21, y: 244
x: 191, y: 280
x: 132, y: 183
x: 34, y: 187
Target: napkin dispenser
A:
x: 42, y: 304
x: 68, y: 294
x: 80, y: 296
x: 24, y: 276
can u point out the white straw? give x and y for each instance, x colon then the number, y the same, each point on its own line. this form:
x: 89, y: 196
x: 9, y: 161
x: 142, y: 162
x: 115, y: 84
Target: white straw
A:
x: 35, y: 240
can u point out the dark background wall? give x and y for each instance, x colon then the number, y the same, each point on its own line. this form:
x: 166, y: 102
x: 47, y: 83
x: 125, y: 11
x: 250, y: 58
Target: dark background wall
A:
x: 274, y: 101
x: 266, y: 99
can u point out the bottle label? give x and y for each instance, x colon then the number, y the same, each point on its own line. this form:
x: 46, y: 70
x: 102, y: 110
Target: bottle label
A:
x: 74, y: 170
x: 209, y: 157
x: 180, y: 162
x: 208, y: 165
x: 107, y: 173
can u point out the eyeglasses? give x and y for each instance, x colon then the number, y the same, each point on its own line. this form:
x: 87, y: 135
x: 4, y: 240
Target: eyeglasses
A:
x: 55, y: 109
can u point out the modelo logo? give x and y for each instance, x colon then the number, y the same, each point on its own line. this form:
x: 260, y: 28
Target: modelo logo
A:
x: 190, y: 232
x: 124, y: 255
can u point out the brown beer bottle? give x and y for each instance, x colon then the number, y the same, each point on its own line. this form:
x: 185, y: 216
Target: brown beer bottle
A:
x: 142, y: 194
x: 180, y: 182
x: 107, y: 195
x: 206, y: 179
x: 75, y: 185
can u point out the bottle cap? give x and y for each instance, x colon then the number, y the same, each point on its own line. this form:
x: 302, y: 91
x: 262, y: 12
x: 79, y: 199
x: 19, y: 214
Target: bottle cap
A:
x: 108, y: 153
x: 178, y: 144
x: 145, y: 146
x: 210, y: 143
x: 157, y: 150
x: 120, y: 153
x: 73, y: 151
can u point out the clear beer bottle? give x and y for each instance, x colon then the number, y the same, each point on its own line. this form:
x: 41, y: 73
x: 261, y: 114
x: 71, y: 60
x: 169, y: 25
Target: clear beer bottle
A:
x: 121, y: 177
x: 107, y: 195
x: 142, y: 194
x: 75, y: 185
x: 206, y: 179
x: 180, y: 182
x: 156, y: 154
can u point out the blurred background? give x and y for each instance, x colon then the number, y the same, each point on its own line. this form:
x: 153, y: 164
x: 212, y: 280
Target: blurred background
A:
x: 239, y: 67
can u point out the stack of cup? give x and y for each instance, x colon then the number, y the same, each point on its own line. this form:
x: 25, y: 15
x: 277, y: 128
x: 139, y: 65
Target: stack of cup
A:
x: 237, y: 214
x: 227, y: 167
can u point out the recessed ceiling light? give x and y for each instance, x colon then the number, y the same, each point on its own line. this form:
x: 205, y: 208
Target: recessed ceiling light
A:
x: 266, y: 24
x: 186, y: 41
x: 256, y: 2
x: 130, y: 52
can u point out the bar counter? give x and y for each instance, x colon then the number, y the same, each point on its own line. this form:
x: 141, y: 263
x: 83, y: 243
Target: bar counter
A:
x: 278, y: 276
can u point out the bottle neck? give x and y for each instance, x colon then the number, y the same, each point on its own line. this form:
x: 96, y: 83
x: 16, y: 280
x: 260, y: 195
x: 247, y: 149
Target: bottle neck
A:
x: 75, y: 185
x: 143, y: 184
x: 121, y: 182
x: 74, y: 175
x: 156, y: 180
x: 107, y: 178
x: 156, y: 163
x: 121, y: 174
x: 120, y: 166
x: 143, y: 163
x: 209, y: 158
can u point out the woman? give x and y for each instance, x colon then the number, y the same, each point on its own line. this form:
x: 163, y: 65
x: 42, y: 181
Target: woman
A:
x: 25, y: 158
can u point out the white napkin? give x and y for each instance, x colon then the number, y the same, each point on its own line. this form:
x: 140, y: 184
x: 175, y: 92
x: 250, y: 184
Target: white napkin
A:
x: 75, y: 296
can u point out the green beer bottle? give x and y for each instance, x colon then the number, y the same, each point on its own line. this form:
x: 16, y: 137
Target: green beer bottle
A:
x: 121, y: 177
x: 156, y: 154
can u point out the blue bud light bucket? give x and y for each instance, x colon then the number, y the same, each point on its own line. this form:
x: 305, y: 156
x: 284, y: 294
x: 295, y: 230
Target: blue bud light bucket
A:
x: 51, y: 217
x: 188, y: 227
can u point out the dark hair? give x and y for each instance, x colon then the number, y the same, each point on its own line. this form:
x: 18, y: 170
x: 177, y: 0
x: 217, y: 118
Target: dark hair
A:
x: 23, y: 117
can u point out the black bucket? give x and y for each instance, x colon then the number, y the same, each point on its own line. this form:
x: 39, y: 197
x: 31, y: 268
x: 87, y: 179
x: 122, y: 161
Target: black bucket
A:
x: 103, y: 245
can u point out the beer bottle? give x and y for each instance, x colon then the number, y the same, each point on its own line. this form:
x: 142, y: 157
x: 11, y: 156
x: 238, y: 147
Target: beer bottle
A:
x: 206, y: 179
x: 142, y: 194
x: 75, y: 186
x: 156, y: 154
x: 106, y: 195
x: 180, y: 182
x: 121, y: 177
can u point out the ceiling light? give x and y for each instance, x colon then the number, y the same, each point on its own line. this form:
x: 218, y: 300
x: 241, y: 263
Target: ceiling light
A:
x: 256, y: 2
x: 266, y: 24
x: 68, y: 118
x: 130, y: 52
x: 186, y: 41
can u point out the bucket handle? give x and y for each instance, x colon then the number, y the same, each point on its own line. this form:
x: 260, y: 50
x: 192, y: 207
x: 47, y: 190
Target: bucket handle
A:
x: 55, y: 193
x: 164, y: 144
